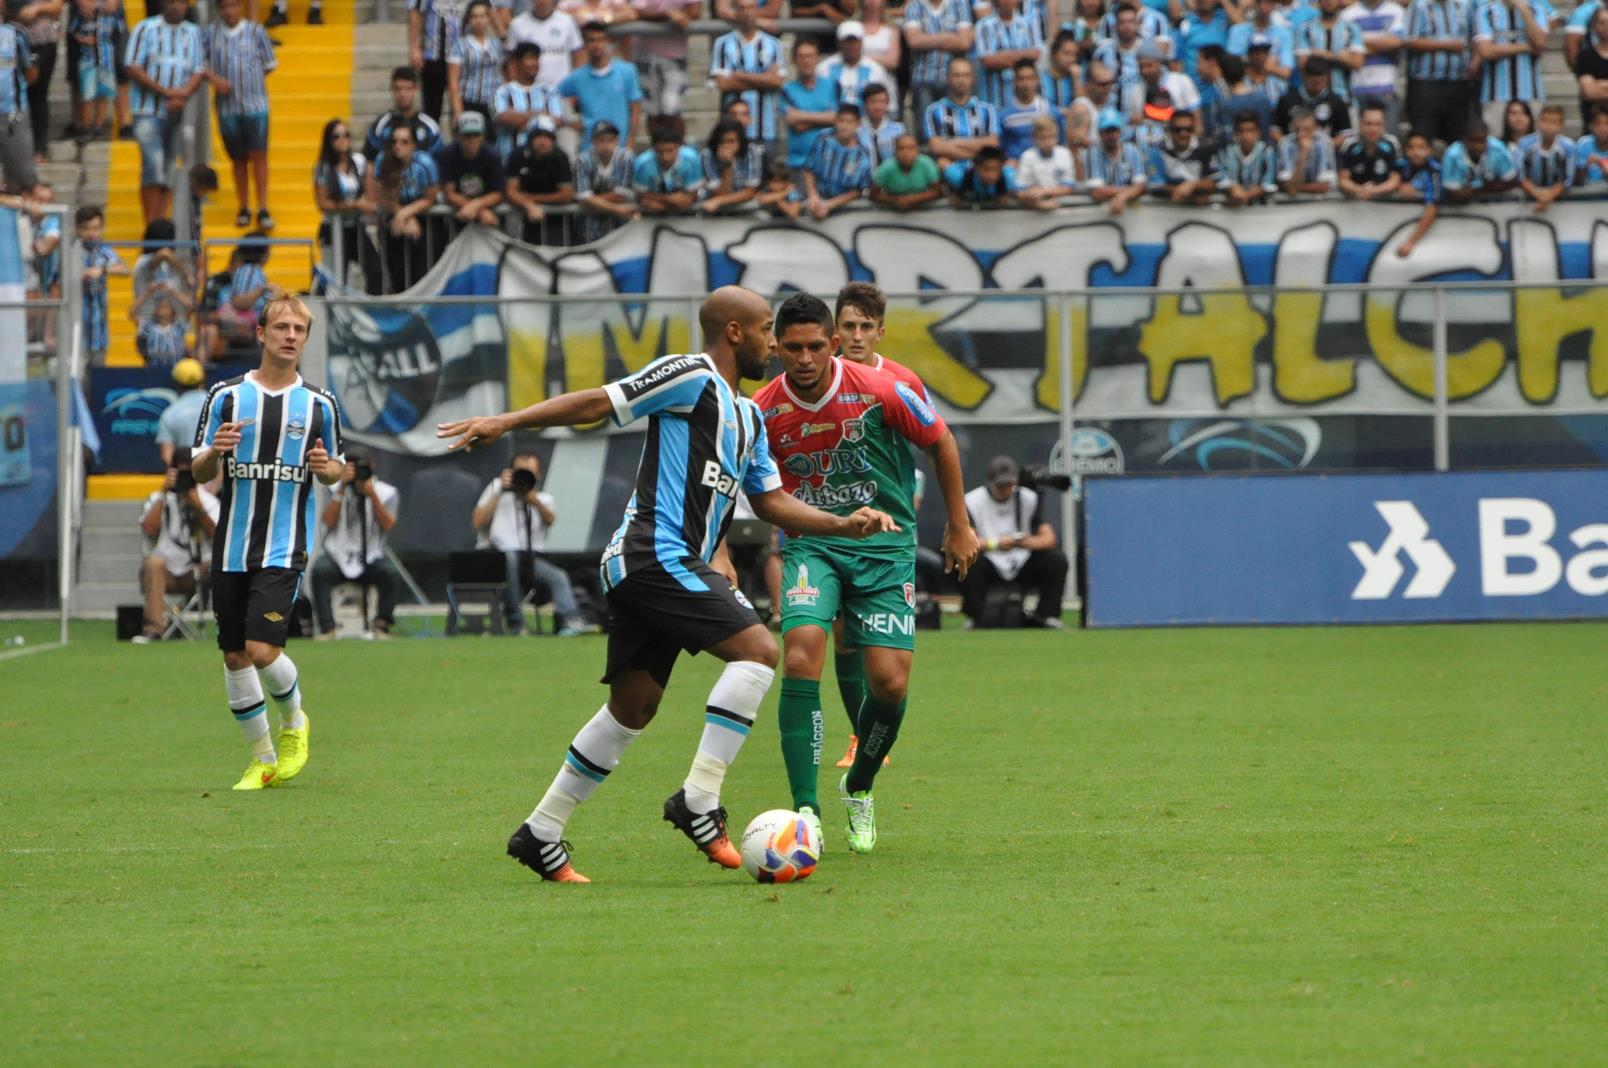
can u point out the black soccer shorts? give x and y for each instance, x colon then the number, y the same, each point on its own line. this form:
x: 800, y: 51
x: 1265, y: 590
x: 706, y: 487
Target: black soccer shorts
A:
x: 254, y: 606
x: 653, y: 616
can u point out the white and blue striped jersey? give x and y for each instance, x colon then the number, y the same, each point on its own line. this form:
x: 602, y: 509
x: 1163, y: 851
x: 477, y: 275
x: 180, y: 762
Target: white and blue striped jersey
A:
x: 417, y: 177
x: 242, y: 56
x: 16, y: 59
x: 1511, y: 77
x: 97, y: 333
x: 1547, y: 166
x: 442, y: 25
x: 706, y: 443
x: 1317, y: 166
x: 266, y: 503
x: 1258, y: 169
x: 1377, y: 75
x: 880, y: 143
x: 1458, y: 171
x: 170, y: 54
x: 1060, y: 90
x: 1440, y: 18
x: 994, y: 34
x: 747, y: 170
x: 1127, y: 167
x: 161, y: 344
x: 839, y: 168
x: 1313, y: 36
x: 972, y: 118
x: 1153, y: 26
x: 513, y: 96
x: 733, y: 55
x: 1122, y: 63
x: 853, y: 81
x: 930, y: 66
x: 1580, y: 21
x: 479, y: 68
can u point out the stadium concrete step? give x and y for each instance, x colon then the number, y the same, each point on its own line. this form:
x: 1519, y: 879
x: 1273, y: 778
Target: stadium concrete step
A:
x: 107, y: 541
x: 102, y: 598
x: 112, y: 570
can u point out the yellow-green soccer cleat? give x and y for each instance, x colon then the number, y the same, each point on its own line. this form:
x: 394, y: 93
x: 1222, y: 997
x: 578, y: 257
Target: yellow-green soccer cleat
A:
x: 258, y: 776
x: 862, y: 817
x: 813, y: 818
x: 293, y: 750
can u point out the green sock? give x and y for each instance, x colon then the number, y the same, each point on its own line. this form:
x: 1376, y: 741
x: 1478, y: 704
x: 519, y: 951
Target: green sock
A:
x: 851, y: 685
x: 799, y: 721
x: 879, y: 727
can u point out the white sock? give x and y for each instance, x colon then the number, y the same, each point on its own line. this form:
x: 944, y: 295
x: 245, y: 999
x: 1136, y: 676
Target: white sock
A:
x: 733, y: 704
x: 283, y: 684
x: 250, y: 711
x: 595, y: 752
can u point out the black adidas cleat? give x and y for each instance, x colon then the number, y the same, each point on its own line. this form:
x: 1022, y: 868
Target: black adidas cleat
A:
x: 550, y: 860
x: 706, y: 829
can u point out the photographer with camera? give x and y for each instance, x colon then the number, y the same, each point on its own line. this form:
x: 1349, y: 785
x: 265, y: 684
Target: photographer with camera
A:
x: 179, y: 519
x: 514, y: 516
x: 361, y: 511
x: 1018, y: 544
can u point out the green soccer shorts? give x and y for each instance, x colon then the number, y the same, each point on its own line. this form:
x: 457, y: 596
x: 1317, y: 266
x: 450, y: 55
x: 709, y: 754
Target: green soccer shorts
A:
x: 877, y: 595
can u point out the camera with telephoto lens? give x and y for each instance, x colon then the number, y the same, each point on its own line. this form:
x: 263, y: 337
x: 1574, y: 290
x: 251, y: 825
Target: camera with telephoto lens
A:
x: 365, y: 471
x: 1037, y: 477
x: 522, y: 481
x: 183, y: 481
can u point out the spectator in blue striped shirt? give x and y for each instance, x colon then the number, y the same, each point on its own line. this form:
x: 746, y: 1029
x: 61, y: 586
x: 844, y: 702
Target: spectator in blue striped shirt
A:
x: 1248, y: 166
x: 99, y: 262
x: 92, y: 42
x: 1306, y: 157
x: 1148, y: 25
x: 1004, y: 39
x: 733, y: 167
x: 474, y: 66
x: 937, y: 31
x: 1547, y: 160
x: 1591, y: 150
x: 959, y: 126
x: 838, y: 171
x: 239, y: 60
x: 1420, y: 184
x: 519, y: 104
x: 403, y: 185
x: 160, y: 338
x: 603, y: 183
x: 1510, y: 39
x: 985, y: 179
x: 1120, y: 52
x: 1181, y: 168
x: 404, y: 112
x: 1059, y: 82
x: 167, y: 64
x: 433, y: 29
x: 669, y: 176
x: 1113, y: 170
x: 854, y: 73
x: 1021, y: 111
x: 1439, y: 99
x: 16, y: 123
x: 1335, y: 40
x: 747, y: 63
x: 1478, y: 165
x: 879, y: 132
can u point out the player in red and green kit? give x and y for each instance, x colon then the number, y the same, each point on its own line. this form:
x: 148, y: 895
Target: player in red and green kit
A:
x: 839, y: 432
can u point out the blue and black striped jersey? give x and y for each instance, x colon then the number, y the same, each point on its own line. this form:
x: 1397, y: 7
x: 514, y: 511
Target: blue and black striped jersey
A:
x: 706, y: 443
x: 266, y: 503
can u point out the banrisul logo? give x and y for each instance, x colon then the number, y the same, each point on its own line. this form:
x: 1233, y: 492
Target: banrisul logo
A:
x: 1382, y: 568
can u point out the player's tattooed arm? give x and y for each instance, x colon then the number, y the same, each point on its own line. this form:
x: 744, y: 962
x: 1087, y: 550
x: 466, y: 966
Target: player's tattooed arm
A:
x: 569, y: 409
x: 782, y: 510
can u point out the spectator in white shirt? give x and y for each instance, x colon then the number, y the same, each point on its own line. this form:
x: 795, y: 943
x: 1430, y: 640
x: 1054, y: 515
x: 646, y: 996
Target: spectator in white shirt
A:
x: 179, y: 520
x: 1045, y: 173
x: 361, y: 511
x: 555, y: 33
x: 514, y: 516
x: 1018, y: 544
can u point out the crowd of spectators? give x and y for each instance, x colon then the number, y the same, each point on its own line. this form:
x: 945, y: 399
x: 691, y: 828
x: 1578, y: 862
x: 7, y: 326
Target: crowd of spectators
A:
x: 997, y: 103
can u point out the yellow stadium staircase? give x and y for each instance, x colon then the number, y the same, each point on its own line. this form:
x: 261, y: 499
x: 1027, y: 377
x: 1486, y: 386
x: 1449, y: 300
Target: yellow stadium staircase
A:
x: 313, y: 84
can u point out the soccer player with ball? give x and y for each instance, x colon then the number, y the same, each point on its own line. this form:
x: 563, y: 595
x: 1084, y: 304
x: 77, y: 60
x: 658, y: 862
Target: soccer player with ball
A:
x: 840, y: 431
x: 705, y: 442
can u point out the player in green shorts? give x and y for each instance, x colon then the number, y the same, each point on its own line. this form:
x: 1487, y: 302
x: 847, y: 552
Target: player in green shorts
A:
x: 839, y: 432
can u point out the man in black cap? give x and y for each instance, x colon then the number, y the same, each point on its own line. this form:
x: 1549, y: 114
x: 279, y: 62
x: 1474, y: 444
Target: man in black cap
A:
x: 1018, y: 545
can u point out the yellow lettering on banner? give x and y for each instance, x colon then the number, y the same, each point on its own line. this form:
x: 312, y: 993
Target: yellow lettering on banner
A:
x: 1543, y: 319
x: 1049, y: 383
x: 588, y: 343
x: 1300, y: 376
x: 909, y: 340
x: 527, y: 368
x: 1224, y: 332
x: 1413, y: 366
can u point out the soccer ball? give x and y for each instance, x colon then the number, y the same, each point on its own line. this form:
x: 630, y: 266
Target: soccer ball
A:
x: 780, y: 847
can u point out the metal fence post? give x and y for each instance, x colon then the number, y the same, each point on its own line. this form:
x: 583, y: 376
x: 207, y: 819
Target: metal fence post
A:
x: 1442, y: 421
x: 1069, y: 504
x: 69, y: 351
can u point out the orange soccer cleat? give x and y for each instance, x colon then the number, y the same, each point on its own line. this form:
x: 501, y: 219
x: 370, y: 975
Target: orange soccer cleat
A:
x: 707, y: 830
x: 550, y: 860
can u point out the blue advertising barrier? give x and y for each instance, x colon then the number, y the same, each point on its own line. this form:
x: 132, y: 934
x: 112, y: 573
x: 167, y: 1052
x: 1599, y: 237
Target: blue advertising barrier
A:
x: 127, y: 404
x: 1346, y: 548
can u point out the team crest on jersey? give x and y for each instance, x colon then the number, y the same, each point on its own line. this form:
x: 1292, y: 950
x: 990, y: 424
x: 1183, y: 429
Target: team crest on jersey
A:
x: 910, y: 594
x: 295, y: 429
x: 801, y: 593
x: 853, y: 429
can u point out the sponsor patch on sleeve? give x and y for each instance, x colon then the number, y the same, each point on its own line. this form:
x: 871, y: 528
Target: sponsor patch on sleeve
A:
x: 918, y: 407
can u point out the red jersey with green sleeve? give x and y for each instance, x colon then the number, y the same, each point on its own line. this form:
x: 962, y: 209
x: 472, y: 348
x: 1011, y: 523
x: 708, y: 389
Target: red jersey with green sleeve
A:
x: 848, y: 449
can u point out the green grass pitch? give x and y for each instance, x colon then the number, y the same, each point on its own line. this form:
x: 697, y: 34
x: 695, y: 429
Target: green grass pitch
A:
x: 1357, y: 846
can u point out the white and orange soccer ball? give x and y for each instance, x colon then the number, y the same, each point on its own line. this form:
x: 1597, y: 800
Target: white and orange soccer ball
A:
x: 779, y: 846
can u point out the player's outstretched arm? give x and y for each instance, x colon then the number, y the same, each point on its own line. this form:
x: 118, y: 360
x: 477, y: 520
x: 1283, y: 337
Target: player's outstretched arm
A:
x: 569, y: 409
x: 960, y: 540
x: 781, y: 510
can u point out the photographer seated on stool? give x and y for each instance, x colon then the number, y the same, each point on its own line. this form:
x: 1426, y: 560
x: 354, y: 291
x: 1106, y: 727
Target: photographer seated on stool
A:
x: 515, y: 516
x: 180, y: 517
x: 1017, y: 545
x: 361, y: 511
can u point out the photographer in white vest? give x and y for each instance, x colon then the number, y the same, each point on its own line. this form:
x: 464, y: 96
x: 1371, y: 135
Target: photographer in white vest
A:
x: 513, y: 515
x: 179, y: 520
x: 1018, y: 544
x: 362, y: 510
